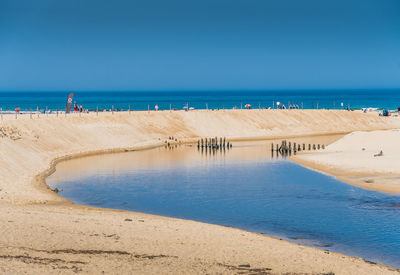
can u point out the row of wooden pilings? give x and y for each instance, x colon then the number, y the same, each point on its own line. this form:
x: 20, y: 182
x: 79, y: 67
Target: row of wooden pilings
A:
x: 287, y: 147
x: 213, y: 143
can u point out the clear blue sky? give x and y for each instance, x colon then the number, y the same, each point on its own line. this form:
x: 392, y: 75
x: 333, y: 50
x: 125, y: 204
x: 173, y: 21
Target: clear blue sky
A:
x: 199, y: 44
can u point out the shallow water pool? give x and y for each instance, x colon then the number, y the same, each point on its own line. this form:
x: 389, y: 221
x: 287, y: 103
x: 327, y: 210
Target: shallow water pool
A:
x: 244, y: 188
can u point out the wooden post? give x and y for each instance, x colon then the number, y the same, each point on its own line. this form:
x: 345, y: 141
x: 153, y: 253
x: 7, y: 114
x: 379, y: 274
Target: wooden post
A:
x: 323, y: 147
x: 304, y: 147
x: 319, y: 146
x: 313, y: 147
x: 309, y: 147
x: 299, y: 149
x: 112, y: 109
x: 294, y: 147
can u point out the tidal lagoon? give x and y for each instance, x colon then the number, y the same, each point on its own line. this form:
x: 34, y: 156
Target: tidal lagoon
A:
x: 244, y: 187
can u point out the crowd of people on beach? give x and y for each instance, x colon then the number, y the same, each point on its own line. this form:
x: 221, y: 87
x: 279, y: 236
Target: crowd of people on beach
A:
x: 79, y: 108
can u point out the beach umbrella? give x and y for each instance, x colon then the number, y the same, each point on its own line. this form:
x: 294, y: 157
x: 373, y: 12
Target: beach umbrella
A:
x: 191, y: 108
x: 247, y: 106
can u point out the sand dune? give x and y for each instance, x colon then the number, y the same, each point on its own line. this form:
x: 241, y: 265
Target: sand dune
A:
x: 42, y: 232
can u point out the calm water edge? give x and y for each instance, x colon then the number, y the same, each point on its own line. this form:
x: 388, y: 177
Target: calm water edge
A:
x: 244, y: 188
x: 201, y: 99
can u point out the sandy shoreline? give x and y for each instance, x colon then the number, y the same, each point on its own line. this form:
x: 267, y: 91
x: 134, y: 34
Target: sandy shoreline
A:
x: 63, y: 237
x: 354, y: 159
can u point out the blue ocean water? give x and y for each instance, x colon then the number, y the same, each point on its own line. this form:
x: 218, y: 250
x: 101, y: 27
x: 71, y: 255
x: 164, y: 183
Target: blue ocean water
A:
x: 271, y: 196
x: 137, y: 100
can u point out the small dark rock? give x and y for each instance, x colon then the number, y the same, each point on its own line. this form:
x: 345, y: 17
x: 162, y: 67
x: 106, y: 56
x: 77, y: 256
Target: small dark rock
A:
x: 128, y: 220
x: 244, y: 265
x: 370, y: 262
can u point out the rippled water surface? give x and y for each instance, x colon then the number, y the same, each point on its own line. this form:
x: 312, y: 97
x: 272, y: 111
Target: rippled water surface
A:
x: 244, y: 188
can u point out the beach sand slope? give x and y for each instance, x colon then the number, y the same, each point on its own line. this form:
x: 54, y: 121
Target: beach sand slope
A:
x: 357, y: 159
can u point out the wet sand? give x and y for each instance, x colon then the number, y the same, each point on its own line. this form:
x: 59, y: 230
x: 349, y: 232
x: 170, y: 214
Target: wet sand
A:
x: 43, y: 232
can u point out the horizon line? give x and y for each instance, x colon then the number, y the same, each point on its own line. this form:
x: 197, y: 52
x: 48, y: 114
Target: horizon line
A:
x: 204, y: 90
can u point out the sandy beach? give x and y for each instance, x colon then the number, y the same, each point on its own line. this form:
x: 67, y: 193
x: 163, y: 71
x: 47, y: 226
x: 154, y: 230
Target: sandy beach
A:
x: 356, y: 159
x: 43, y: 232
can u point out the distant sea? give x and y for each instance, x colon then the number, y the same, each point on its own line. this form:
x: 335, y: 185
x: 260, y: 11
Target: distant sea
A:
x: 140, y: 100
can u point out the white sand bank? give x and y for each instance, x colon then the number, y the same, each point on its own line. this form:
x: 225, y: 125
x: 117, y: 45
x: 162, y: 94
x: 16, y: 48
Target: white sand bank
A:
x: 42, y: 232
x: 355, y: 158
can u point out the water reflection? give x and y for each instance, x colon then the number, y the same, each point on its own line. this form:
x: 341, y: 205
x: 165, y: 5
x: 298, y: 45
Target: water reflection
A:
x: 241, y: 187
